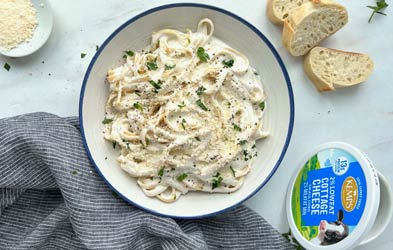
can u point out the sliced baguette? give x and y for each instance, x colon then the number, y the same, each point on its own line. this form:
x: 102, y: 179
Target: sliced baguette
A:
x: 278, y: 10
x: 311, y: 23
x: 330, y: 69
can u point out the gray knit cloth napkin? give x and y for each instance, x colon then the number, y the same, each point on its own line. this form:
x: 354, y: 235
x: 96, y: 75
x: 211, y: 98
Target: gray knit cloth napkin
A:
x: 52, y: 198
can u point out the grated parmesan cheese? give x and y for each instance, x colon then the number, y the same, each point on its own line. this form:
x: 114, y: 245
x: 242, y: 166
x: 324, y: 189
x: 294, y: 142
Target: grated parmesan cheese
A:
x: 18, y: 20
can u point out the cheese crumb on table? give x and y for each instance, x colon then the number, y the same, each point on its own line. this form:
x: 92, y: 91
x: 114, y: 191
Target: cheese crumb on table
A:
x: 18, y: 20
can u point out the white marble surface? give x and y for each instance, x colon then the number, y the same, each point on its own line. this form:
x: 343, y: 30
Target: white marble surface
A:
x: 50, y: 81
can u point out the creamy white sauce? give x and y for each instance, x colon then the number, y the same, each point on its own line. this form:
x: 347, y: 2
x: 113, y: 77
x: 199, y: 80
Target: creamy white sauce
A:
x: 184, y: 124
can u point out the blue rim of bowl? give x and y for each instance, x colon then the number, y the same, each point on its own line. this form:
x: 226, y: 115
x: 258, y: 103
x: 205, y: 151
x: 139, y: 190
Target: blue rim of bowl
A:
x: 256, y: 31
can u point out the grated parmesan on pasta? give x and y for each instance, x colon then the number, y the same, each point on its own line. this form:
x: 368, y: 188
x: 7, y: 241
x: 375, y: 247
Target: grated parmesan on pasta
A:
x: 18, y: 20
x: 186, y: 114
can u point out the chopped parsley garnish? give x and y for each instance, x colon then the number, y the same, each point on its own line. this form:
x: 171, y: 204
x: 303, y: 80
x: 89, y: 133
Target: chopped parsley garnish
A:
x: 236, y: 127
x: 233, y: 171
x: 83, y: 55
x: 139, y: 106
x: 137, y: 92
x: 152, y: 65
x: 97, y: 47
x: 262, y: 105
x: 161, y: 172
x: 74, y: 172
x: 228, y: 63
x: 381, y: 5
x: 147, y: 142
x: 181, y: 177
x: 246, y: 155
x: 188, y: 40
x: 200, y: 90
x: 182, y: 105
x: 203, y: 56
x: 115, y: 194
x: 168, y: 67
x: 201, y: 105
x: 129, y: 53
x: 7, y: 66
x: 217, y: 181
x: 156, y: 85
x: 254, y: 146
x: 197, y: 138
x: 182, y: 124
x: 107, y: 121
x: 242, y: 142
x: 293, y: 240
x: 114, y: 144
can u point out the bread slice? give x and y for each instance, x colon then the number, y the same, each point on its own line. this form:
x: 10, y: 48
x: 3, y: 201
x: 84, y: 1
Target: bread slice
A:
x: 330, y: 69
x: 278, y: 10
x: 311, y: 23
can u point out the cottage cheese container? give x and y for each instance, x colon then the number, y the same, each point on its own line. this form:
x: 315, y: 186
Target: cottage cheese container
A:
x: 337, y: 199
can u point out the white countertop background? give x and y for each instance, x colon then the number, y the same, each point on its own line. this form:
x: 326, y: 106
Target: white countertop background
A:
x: 50, y: 81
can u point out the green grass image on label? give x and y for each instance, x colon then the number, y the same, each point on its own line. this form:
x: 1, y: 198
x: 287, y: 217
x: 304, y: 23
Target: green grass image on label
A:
x: 308, y: 232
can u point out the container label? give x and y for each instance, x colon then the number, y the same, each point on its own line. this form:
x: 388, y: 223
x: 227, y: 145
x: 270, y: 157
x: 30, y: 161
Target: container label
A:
x: 329, y: 197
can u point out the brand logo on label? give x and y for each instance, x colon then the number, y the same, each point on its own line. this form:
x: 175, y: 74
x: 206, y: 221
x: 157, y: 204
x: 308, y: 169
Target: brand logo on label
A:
x: 349, y: 194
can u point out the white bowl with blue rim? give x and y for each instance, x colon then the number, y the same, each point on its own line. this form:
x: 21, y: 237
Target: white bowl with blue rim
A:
x: 135, y: 35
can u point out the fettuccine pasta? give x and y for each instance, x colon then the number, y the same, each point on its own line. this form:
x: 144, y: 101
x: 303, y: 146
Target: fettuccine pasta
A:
x: 186, y: 113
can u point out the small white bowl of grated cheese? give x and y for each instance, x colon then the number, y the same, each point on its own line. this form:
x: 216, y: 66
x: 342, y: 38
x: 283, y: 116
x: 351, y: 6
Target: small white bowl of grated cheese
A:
x: 25, y: 26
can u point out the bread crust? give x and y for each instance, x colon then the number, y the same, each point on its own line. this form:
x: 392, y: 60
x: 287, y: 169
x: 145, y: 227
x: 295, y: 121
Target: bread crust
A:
x: 323, y: 85
x: 318, y: 82
x: 270, y: 13
x: 299, y: 14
